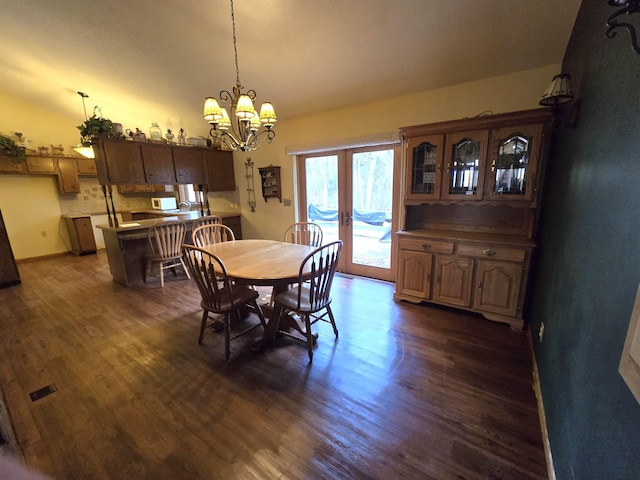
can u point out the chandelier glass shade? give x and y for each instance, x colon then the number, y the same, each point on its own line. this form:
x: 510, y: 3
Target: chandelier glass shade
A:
x: 236, y: 125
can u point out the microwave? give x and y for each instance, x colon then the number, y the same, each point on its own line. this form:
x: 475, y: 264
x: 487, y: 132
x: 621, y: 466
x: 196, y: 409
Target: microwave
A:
x: 164, y: 203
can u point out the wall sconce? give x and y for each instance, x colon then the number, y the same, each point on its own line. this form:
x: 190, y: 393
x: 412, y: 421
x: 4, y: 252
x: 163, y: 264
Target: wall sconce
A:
x: 628, y: 7
x: 558, y: 93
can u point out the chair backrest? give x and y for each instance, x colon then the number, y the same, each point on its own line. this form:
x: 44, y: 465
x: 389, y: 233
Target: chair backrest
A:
x: 212, y: 233
x: 304, y: 233
x: 207, y: 220
x: 210, y: 276
x: 316, y: 275
x: 166, y: 239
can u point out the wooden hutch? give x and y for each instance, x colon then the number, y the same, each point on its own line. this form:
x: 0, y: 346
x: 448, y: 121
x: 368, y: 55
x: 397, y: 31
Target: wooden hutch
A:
x: 471, y: 197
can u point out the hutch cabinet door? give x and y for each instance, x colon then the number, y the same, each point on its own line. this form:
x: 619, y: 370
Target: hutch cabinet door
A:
x: 424, y: 165
x: 414, y: 274
x: 512, y: 169
x: 124, y: 161
x: 453, y: 280
x: 465, y: 161
x: 158, y: 164
x: 498, y: 287
x: 190, y: 165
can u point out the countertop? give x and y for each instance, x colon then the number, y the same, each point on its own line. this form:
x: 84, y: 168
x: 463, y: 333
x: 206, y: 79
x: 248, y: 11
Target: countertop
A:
x: 134, y: 225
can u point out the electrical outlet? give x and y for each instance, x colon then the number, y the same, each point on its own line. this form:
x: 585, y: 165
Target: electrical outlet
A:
x: 541, y: 331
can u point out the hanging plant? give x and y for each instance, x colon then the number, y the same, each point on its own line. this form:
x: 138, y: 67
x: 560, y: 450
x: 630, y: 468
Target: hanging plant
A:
x: 9, y: 147
x: 95, y: 126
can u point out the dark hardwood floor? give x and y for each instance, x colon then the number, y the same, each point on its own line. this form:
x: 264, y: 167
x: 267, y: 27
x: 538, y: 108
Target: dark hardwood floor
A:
x: 406, y: 391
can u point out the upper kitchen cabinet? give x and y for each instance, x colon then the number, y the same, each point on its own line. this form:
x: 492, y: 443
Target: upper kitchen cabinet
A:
x: 125, y: 162
x: 220, y: 170
x: 67, y: 175
x: 158, y: 164
x: 190, y: 165
x: 119, y: 161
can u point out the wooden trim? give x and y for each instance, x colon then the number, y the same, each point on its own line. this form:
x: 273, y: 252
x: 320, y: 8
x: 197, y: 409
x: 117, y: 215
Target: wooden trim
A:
x: 539, y: 115
x: 551, y: 473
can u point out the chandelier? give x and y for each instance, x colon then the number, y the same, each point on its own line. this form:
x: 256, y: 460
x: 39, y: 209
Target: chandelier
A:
x: 240, y: 128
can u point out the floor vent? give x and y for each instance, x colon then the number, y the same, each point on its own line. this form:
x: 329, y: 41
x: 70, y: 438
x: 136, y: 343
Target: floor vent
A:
x: 42, y: 392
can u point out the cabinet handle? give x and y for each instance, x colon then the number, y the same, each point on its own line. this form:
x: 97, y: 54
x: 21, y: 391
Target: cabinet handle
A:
x: 479, y: 285
x: 438, y: 278
x: 488, y: 252
x: 426, y: 246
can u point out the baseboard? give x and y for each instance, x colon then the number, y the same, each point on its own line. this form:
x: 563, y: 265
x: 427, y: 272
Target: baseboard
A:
x: 551, y: 473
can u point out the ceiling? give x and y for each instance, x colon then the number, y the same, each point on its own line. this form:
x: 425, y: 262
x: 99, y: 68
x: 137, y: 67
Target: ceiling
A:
x: 145, y: 61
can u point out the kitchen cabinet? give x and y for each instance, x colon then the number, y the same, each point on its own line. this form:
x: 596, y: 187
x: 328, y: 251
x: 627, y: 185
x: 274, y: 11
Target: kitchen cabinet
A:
x: 270, y: 181
x: 220, y: 172
x: 158, y: 164
x: 81, y: 236
x: 87, y: 167
x: 40, y: 165
x: 472, y: 193
x: 190, y: 165
x: 122, y: 162
x: 67, y: 175
x: 7, y: 165
x: 234, y: 223
x: 8, y: 270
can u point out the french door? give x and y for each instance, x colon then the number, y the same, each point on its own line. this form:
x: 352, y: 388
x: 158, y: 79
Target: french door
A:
x: 350, y: 194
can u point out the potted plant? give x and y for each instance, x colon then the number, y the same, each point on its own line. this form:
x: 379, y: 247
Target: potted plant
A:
x: 9, y: 147
x: 95, y: 126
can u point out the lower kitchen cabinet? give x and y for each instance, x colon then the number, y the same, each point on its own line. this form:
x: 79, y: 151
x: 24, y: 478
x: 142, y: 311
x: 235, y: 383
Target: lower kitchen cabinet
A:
x: 81, y: 236
x: 8, y: 270
x: 474, y: 272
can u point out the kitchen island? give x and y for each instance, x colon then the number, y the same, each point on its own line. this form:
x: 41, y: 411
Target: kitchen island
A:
x: 127, y: 244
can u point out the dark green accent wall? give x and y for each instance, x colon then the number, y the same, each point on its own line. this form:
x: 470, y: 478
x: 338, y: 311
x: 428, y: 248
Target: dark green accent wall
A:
x: 588, y: 267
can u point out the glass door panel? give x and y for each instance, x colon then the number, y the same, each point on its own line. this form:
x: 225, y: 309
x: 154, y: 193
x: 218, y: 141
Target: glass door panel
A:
x: 466, y: 154
x: 350, y: 195
x: 513, y: 167
x: 425, y: 155
x: 372, y: 207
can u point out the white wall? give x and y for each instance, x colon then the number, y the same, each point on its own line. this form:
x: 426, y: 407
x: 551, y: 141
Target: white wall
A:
x: 518, y: 91
x: 31, y: 205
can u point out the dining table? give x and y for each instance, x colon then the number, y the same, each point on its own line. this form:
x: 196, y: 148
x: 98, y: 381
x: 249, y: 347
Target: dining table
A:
x: 264, y: 263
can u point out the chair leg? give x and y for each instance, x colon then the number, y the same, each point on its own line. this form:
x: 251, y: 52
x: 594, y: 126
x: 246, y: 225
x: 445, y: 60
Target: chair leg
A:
x: 161, y: 275
x: 260, y: 313
x: 147, y: 272
x: 307, y: 324
x: 203, y: 325
x: 227, y: 328
x: 186, y: 271
x: 333, y: 320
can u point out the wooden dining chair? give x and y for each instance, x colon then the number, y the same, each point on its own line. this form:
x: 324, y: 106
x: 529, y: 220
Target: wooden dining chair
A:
x: 211, y: 233
x: 304, y: 233
x: 206, y: 220
x: 219, y: 295
x: 165, y: 244
x: 311, y: 297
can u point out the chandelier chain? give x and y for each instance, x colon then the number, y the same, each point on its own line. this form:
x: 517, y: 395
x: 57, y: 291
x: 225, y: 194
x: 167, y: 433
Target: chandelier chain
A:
x: 235, y: 47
